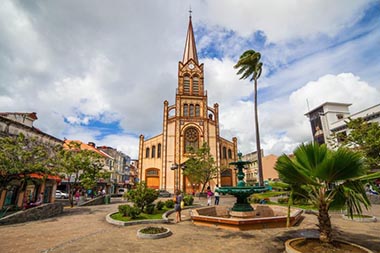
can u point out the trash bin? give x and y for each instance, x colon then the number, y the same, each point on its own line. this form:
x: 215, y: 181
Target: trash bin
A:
x: 107, y: 199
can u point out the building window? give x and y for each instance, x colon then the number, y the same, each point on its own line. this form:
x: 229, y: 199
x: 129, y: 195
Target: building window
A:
x: 224, y: 153
x: 186, y: 85
x: 195, y: 86
x: 147, y: 151
x: 229, y: 154
x: 159, y: 150
x: 185, y: 110
x: 191, y: 139
x: 197, y: 110
x: 153, y: 151
x: 191, y: 110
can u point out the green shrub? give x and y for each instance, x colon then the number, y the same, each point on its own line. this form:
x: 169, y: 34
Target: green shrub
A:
x: 253, y: 199
x: 188, y: 199
x: 160, y: 205
x: 123, y: 209
x: 130, y: 211
x: 149, y: 209
x: 142, y: 196
x: 134, y: 211
x: 282, y: 200
x: 169, y: 203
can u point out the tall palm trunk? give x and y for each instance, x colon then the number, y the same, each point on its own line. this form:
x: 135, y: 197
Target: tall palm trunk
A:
x: 324, y: 224
x: 259, y: 160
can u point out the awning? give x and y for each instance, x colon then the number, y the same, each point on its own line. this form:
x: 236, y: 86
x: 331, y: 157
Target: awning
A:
x: 41, y: 176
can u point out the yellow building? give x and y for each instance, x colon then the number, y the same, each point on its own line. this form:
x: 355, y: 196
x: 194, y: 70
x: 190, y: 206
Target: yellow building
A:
x: 188, y: 122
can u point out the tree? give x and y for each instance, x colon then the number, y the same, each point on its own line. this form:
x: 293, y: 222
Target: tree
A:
x: 82, y: 167
x: 21, y: 156
x: 141, y: 196
x: 327, y: 179
x: 363, y: 136
x: 249, y: 65
x: 200, y: 167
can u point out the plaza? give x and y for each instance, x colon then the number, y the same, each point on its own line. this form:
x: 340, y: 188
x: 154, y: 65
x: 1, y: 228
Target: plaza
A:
x: 84, y: 229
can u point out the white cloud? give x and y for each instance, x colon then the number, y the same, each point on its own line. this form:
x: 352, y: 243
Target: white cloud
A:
x: 284, y: 20
x: 67, y: 60
x: 286, y: 116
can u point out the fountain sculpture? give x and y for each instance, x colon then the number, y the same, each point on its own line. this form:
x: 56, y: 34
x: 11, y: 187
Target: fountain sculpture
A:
x: 243, y: 215
x: 242, y: 207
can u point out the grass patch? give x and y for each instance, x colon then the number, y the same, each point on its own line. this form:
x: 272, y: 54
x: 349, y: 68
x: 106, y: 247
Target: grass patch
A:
x: 157, y: 214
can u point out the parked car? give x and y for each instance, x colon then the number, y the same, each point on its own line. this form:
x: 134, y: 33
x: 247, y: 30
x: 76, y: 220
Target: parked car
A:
x: 121, y: 191
x: 61, y: 194
x: 164, y: 194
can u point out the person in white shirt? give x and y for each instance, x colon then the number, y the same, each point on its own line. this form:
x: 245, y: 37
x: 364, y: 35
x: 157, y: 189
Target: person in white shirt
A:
x: 217, y: 196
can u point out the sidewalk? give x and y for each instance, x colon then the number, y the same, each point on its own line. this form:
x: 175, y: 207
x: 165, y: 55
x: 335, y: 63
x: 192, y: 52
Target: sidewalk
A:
x: 84, y: 229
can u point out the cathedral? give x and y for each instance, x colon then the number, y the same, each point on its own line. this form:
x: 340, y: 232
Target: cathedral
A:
x: 188, y: 122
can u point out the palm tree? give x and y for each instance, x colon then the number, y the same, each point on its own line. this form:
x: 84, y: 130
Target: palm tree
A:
x: 327, y: 179
x: 249, y: 65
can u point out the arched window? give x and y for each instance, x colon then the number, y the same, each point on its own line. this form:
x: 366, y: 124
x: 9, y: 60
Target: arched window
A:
x: 195, y: 86
x: 159, y: 150
x: 186, y: 85
x: 191, y: 110
x: 153, y: 151
x: 191, y: 139
x: 197, y: 110
x: 224, y: 152
x: 147, y: 151
x: 229, y: 154
x: 185, y: 110
x: 152, y: 172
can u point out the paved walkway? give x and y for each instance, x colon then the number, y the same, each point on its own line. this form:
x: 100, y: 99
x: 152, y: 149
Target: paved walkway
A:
x: 84, y: 229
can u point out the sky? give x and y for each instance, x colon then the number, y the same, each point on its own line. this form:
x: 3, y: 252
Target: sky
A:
x: 99, y: 71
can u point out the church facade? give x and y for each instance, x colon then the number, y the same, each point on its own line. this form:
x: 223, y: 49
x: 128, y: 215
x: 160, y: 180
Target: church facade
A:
x: 190, y: 121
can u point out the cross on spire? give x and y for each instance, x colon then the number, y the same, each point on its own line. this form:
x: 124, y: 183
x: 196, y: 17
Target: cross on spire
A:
x: 190, y: 11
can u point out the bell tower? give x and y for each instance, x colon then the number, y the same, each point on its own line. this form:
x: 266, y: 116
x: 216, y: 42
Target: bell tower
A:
x: 189, y: 122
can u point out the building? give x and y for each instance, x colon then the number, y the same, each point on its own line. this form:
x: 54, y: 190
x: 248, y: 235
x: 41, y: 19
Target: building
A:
x: 330, y: 118
x: 119, y: 168
x: 12, y: 124
x: 188, y: 122
x: 268, y: 162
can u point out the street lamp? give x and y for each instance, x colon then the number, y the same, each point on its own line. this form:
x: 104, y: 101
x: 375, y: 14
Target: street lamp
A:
x: 175, y: 167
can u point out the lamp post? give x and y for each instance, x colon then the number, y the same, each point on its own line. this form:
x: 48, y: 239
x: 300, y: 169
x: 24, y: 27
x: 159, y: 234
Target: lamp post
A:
x: 175, y: 167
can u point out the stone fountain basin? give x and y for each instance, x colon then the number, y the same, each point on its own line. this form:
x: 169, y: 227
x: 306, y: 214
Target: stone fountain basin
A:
x: 263, y: 216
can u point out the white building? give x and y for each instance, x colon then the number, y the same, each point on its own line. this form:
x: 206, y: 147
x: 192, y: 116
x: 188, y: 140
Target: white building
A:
x: 330, y: 118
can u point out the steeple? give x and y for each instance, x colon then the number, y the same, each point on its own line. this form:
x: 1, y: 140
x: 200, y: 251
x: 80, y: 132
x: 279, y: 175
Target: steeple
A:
x: 190, y: 48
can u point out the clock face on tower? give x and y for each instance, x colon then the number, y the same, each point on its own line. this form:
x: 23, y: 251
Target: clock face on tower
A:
x: 191, y: 66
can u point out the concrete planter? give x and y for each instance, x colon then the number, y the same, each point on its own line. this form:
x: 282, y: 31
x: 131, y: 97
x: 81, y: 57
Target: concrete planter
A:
x: 153, y: 236
x: 290, y: 249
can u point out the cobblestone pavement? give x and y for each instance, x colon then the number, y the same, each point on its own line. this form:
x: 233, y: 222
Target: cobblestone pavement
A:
x: 84, y: 229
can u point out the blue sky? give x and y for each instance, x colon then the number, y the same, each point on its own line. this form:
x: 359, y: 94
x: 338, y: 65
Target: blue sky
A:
x: 99, y: 72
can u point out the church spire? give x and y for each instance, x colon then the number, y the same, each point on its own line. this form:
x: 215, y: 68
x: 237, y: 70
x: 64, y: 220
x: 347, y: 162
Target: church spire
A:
x: 190, y: 48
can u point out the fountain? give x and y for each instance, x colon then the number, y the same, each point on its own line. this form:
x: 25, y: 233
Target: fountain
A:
x: 242, y: 208
x: 243, y: 215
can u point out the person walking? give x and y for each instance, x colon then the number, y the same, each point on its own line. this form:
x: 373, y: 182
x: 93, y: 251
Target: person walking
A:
x: 177, y: 206
x: 217, y: 196
x: 209, y: 195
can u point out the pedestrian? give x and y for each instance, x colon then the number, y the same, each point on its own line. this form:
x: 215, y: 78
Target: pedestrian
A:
x: 209, y: 195
x: 77, y: 195
x: 217, y: 196
x: 177, y: 206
